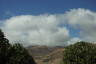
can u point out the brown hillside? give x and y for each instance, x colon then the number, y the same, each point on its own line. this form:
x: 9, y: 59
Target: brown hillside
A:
x: 45, y: 54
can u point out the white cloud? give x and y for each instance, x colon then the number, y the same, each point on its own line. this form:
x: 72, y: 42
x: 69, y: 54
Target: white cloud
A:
x: 45, y: 29
x: 32, y: 30
x: 74, y: 40
x: 85, y: 21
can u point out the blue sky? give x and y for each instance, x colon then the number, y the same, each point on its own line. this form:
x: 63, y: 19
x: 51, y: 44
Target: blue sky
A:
x: 77, y: 24
x: 18, y: 7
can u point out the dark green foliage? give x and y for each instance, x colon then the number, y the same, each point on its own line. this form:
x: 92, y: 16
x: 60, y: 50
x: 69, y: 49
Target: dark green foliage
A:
x: 80, y: 53
x: 4, y: 45
x: 19, y: 55
x: 13, y: 54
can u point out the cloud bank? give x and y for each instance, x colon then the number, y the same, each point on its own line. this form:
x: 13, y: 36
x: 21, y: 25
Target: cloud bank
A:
x: 51, y: 29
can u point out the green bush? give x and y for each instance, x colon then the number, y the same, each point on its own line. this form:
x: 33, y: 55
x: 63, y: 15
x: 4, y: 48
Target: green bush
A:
x: 19, y: 55
x: 13, y: 54
x: 80, y: 53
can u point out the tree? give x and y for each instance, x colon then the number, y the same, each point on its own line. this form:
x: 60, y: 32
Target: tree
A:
x: 80, y: 53
x: 4, y: 45
x: 19, y: 55
x: 13, y: 54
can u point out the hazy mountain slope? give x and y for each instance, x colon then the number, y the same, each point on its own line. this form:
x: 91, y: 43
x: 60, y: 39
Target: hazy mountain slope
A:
x: 45, y: 54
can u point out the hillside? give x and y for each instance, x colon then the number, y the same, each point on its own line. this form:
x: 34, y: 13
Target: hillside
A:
x: 45, y: 54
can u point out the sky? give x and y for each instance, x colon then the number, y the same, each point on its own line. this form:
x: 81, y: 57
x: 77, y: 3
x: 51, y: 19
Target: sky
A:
x: 48, y: 22
x: 35, y: 7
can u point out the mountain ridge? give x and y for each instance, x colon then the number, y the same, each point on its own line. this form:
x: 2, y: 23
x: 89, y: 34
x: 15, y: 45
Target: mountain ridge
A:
x: 46, y: 54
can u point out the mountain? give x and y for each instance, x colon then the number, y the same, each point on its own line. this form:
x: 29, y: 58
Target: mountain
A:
x: 46, y: 54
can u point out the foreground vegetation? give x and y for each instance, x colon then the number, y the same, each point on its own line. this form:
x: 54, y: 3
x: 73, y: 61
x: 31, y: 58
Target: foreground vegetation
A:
x: 13, y: 54
x: 80, y: 53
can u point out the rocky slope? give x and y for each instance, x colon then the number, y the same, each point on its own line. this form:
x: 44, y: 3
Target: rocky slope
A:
x: 46, y: 55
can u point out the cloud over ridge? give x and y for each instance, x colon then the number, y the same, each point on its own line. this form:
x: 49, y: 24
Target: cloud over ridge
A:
x: 51, y: 29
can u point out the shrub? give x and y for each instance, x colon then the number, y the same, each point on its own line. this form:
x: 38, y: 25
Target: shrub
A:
x: 13, y: 54
x: 80, y: 53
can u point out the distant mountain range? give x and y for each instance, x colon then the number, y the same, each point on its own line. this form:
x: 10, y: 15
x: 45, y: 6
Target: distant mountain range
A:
x: 46, y: 54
